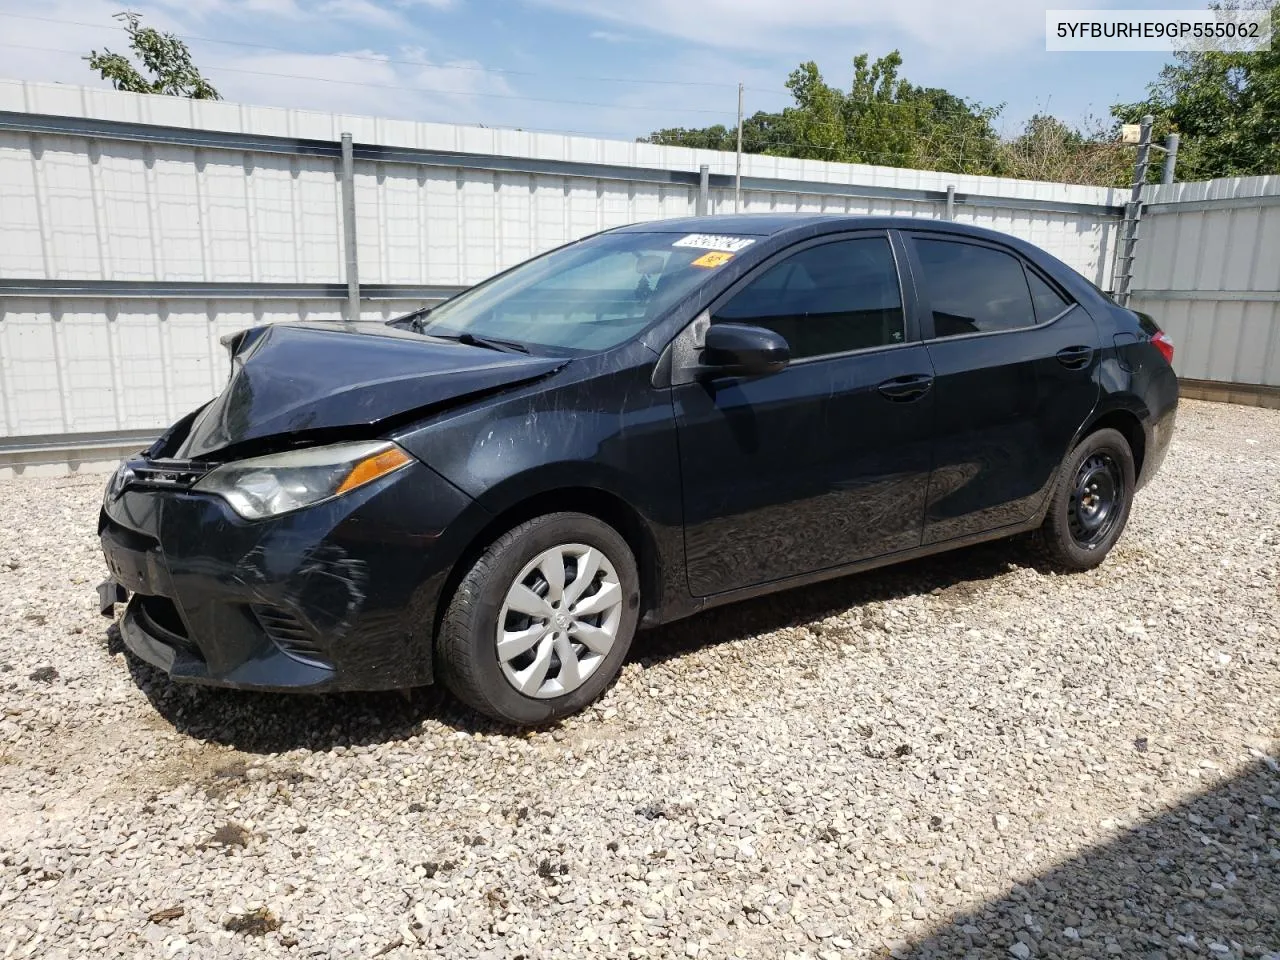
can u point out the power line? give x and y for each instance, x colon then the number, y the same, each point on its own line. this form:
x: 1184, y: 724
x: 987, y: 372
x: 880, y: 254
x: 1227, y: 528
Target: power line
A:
x: 924, y: 106
x: 363, y: 59
x: 958, y: 111
x: 927, y: 137
x: 975, y: 137
x: 900, y: 158
x: 405, y: 86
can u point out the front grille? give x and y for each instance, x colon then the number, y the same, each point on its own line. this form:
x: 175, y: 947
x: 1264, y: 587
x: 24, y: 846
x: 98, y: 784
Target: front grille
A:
x: 290, y: 634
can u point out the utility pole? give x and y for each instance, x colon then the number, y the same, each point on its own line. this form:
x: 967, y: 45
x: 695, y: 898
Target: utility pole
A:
x: 349, y: 228
x: 737, y: 177
x: 1170, y: 157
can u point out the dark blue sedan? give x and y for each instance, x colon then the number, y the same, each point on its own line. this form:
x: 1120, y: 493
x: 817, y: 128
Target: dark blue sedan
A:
x: 499, y: 491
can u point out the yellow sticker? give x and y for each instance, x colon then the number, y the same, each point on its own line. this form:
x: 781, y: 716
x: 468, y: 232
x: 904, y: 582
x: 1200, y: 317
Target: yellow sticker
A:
x: 713, y: 259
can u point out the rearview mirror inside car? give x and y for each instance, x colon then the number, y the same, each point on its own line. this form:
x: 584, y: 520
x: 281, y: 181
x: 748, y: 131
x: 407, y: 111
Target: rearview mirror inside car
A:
x: 649, y: 263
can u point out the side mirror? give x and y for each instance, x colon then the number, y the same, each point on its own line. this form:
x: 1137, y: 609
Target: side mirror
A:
x: 739, y: 350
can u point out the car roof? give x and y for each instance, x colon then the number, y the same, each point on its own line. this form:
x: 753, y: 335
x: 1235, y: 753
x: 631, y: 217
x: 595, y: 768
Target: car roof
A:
x: 780, y: 224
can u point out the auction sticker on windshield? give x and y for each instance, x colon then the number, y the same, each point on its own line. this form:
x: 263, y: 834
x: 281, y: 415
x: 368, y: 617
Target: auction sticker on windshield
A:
x: 711, y: 241
x: 715, y: 258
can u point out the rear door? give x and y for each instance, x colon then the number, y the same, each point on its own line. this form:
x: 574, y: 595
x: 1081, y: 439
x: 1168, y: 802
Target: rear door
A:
x: 1015, y: 362
x: 826, y: 462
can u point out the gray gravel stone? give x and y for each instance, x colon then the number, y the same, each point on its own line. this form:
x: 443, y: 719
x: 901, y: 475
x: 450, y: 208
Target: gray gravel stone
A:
x: 931, y: 761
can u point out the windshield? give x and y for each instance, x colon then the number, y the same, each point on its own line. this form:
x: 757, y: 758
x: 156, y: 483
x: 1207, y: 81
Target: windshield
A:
x: 588, y: 296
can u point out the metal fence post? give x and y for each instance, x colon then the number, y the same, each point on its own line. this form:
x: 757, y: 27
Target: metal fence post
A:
x: 704, y: 186
x: 951, y: 202
x: 349, y: 228
x: 1170, y: 157
x: 737, y: 175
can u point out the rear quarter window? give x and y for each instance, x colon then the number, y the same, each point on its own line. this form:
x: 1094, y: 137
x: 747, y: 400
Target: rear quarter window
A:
x: 1048, y: 301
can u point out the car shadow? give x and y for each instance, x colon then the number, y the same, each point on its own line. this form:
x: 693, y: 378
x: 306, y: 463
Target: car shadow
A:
x: 1199, y: 879
x: 957, y: 573
x: 274, y: 722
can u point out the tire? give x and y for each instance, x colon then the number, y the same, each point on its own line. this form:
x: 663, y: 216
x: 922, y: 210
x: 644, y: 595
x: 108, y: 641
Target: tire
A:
x: 1091, y: 502
x: 539, y: 631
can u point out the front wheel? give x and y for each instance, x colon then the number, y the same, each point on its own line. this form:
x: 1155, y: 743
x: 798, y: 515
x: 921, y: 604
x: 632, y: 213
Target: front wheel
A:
x: 1091, y: 504
x: 541, y: 623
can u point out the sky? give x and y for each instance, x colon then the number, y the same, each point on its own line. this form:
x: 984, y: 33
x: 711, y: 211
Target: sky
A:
x: 613, y: 68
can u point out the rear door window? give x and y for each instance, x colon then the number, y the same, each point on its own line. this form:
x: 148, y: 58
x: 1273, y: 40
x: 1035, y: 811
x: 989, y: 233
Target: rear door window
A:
x: 826, y: 299
x: 973, y: 289
x: 1049, y: 302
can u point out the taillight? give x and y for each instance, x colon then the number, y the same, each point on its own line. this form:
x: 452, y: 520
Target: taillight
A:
x: 1162, y: 343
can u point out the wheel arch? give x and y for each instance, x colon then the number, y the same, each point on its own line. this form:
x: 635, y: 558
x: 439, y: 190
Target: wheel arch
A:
x: 1129, y: 424
x: 604, y: 505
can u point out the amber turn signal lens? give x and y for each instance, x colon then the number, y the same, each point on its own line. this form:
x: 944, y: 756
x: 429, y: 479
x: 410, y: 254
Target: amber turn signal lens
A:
x: 371, y: 468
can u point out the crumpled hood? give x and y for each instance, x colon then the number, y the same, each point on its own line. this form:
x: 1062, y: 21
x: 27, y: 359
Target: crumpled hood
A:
x: 297, y: 377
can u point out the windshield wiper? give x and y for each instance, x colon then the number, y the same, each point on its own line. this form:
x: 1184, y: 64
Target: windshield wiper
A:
x: 489, y: 343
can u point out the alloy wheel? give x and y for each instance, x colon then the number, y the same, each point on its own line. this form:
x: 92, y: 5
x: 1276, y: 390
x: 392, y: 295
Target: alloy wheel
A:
x: 559, y: 620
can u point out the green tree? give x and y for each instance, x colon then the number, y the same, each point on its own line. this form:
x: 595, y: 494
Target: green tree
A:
x: 1225, y: 106
x: 163, y: 56
x: 716, y: 137
x: 882, y: 119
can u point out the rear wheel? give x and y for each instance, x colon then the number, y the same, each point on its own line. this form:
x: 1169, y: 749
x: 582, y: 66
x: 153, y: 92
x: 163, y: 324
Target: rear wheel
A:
x: 1091, y: 504
x: 540, y: 625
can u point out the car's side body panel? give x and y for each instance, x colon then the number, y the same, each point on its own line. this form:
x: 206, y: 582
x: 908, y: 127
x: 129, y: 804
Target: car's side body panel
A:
x: 809, y: 468
x: 1007, y: 407
x: 599, y: 425
x: 1135, y: 380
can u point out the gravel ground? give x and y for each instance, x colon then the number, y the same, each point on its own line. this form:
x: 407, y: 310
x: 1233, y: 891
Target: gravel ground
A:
x: 968, y: 755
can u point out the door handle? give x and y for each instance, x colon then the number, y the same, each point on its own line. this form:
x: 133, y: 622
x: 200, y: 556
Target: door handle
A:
x: 1074, y: 358
x: 908, y: 388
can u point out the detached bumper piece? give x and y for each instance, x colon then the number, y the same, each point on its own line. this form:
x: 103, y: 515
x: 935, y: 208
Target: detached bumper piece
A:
x: 109, y: 594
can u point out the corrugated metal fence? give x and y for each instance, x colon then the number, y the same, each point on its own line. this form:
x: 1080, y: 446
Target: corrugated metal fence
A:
x: 1208, y: 269
x: 137, y: 230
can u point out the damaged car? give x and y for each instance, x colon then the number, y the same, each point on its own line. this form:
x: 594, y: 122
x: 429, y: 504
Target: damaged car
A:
x: 498, y: 492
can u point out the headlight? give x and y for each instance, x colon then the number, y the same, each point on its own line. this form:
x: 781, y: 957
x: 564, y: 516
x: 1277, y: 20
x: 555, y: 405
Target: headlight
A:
x: 115, y: 486
x: 275, y: 484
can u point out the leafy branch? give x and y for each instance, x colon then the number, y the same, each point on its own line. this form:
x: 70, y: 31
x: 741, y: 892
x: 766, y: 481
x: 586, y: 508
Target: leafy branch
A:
x: 162, y: 55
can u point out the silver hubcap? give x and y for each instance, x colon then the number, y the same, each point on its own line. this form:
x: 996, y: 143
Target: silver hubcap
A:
x: 559, y: 620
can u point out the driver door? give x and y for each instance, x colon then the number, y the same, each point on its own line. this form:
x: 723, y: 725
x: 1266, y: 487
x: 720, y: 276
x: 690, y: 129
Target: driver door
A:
x: 827, y: 462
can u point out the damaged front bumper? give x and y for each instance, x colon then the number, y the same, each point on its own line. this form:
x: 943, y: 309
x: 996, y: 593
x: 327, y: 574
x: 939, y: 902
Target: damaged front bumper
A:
x: 337, y: 596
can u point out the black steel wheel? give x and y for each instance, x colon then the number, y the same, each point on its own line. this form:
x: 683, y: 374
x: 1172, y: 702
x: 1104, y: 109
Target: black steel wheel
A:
x: 1094, y: 505
x: 1091, y: 504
